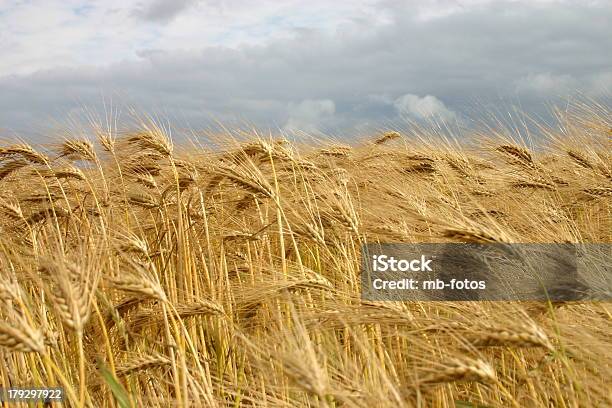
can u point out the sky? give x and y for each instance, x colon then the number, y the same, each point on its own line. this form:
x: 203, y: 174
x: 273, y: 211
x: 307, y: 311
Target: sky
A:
x: 311, y: 66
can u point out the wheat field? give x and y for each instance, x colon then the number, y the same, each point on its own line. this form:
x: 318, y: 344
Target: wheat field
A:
x: 138, y: 272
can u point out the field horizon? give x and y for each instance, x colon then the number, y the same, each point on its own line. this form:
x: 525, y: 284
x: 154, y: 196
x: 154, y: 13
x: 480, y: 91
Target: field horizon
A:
x: 136, y: 271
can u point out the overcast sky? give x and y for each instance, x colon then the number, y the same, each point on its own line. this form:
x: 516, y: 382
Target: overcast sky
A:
x: 308, y: 65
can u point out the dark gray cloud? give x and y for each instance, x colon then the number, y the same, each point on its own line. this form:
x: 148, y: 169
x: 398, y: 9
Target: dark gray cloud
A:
x: 162, y: 10
x: 357, y: 77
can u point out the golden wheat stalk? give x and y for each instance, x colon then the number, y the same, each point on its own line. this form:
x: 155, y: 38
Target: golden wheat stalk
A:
x: 71, y: 289
x: 24, y: 339
x: 463, y: 370
x: 12, y: 166
x: 25, y: 151
x: 137, y: 363
x: 78, y: 150
x: 388, y: 136
x: 523, y: 336
x: 201, y: 307
x: 152, y: 139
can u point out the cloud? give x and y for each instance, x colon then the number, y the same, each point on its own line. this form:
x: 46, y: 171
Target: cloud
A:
x: 448, y: 62
x: 48, y: 34
x: 163, y: 10
x: 427, y: 107
x: 310, y: 115
x: 547, y: 84
x: 600, y: 85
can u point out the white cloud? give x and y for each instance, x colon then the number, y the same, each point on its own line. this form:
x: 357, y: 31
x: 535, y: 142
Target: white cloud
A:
x: 600, y: 85
x: 427, y: 107
x: 547, y: 84
x: 596, y: 85
x: 44, y: 34
x: 310, y: 115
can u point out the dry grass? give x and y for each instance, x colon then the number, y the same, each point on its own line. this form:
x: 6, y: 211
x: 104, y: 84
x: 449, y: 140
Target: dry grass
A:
x: 135, y: 275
